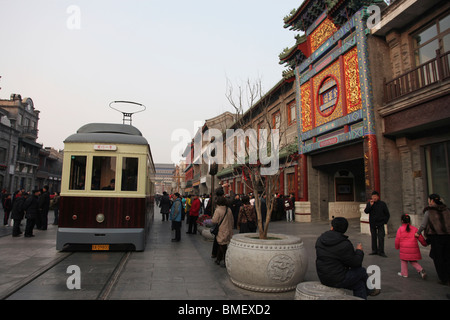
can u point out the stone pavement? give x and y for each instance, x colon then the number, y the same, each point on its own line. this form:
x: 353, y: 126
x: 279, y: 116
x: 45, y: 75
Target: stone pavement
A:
x: 185, y: 271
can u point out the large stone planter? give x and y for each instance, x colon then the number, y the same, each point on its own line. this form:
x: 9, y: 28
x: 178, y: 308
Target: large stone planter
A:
x: 266, y: 265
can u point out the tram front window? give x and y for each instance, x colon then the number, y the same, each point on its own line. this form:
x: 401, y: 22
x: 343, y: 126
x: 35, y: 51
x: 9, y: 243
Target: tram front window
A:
x: 77, y: 173
x: 130, y: 174
x: 104, y: 173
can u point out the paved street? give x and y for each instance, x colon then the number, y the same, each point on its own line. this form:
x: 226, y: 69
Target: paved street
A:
x: 185, y: 271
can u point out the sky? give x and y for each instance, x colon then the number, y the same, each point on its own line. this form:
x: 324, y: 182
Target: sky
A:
x: 73, y: 58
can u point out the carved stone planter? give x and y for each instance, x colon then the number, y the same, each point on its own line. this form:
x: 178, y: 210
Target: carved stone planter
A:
x: 206, y: 234
x: 276, y: 265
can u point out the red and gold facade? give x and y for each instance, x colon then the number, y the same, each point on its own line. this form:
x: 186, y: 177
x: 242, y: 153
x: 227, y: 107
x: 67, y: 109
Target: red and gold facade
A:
x: 334, y: 103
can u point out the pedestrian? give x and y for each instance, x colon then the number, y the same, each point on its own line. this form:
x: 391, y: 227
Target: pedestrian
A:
x: 56, y: 199
x: 175, y: 217
x: 378, y: 218
x: 235, y: 207
x: 44, y: 206
x: 207, y: 204
x: 338, y: 264
x: 407, y: 243
x: 223, y: 216
x: 18, y: 213
x: 436, y: 226
x: 252, y: 199
x: 187, y: 208
x: 279, y: 208
x: 165, y: 205
x: 31, y: 208
x: 183, y: 210
x: 193, y: 215
x: 263, y: 210
x: 7, y: 206
x: 247, y: 217
x: 288, y: 208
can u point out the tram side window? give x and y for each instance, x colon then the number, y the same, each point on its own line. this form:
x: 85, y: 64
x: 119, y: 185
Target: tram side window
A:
x: 130, y: 174
x: 77, y: 173
x: 104, y: 173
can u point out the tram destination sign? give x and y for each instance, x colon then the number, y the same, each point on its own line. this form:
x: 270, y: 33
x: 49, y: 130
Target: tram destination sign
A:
x: 105, y: 147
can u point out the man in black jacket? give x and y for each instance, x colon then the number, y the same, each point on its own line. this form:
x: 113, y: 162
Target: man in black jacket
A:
x: 44, y: 206
x: 18, y: 213
x: 378, y: 217
x: 338, y: 264
x: 31, y: 207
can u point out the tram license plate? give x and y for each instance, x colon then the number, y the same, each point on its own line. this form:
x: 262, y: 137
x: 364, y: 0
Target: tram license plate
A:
x: 100, y: 247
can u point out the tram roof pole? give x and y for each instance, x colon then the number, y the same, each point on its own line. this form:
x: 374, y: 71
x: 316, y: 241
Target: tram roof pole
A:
x: 127, y: 116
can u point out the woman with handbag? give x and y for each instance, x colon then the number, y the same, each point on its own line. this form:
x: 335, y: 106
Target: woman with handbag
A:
x: 247, y: 217
x: 223, y: 217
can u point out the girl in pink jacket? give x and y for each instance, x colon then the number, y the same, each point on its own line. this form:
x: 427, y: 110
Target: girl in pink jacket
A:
x: 409, y: 248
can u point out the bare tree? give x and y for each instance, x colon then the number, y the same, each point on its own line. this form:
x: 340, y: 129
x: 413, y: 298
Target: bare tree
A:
x: 253, y: 111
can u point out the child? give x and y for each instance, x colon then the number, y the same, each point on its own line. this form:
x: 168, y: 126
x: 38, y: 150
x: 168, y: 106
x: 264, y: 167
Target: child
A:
x: 409, y: 248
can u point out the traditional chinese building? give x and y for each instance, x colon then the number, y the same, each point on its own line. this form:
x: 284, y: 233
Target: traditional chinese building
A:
x: 338, y: 145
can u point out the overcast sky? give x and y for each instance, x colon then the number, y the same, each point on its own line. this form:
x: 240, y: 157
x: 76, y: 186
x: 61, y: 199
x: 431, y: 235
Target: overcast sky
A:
x: 74, y: 57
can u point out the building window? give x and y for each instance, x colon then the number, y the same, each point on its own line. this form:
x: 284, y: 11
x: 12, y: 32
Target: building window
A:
x: 276, y: 120
x: 433, y: 37
x: 291, y: 112
x: 438, y: 170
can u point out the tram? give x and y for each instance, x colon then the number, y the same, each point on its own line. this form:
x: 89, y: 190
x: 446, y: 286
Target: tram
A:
x: 107, y: 189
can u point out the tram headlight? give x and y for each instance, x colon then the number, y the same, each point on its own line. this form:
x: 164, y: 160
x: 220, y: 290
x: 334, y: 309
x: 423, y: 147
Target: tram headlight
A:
x: 100, y: 218
x: 74, y: 217
x: 128, y: 218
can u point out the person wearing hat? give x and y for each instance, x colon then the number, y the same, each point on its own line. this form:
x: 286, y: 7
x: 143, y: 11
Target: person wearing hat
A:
x: 339, y: 264
x: 378, y: 216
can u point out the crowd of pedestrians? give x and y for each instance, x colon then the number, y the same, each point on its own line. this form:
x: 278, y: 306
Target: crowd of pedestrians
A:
x: 338, y: 262
x: 230, y: 213
x: 31, y: 206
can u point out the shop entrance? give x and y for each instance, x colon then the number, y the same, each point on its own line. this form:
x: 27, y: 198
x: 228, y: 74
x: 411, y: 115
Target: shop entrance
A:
x: 341, y: 182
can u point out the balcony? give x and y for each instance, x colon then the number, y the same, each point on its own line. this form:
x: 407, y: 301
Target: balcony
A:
x: 29, y: 133
x: 432, y: 72
x: 28, y: 159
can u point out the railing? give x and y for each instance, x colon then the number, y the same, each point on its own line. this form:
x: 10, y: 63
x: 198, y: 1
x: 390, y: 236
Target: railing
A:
x: 24, y: 157
x: 29, y: 132
x: 431, y: 72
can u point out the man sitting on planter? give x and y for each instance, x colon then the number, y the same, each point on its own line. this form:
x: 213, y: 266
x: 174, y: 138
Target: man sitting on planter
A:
x: 338, y: 264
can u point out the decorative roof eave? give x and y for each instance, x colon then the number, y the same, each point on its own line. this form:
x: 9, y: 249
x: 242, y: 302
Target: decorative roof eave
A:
x: 341, y: 10
x: 338, y: 10
x: 299, y: 51
x: 305, y: 16
x: 289, y: 75
x: 294, y: 15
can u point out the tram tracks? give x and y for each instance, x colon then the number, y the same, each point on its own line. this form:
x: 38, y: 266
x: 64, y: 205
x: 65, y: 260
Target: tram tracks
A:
x: 97, y: 282
x: 107, y: 289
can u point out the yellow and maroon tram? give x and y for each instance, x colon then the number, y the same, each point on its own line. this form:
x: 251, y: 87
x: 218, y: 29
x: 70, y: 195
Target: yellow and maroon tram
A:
x: 107, y: 189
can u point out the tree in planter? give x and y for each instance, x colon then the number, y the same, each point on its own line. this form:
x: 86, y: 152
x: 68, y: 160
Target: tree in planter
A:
x: 260, y: 162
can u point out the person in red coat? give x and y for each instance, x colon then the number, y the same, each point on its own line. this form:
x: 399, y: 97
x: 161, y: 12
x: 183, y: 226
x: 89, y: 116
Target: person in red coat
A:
x: 406, y: 242
x: 193, y: 215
